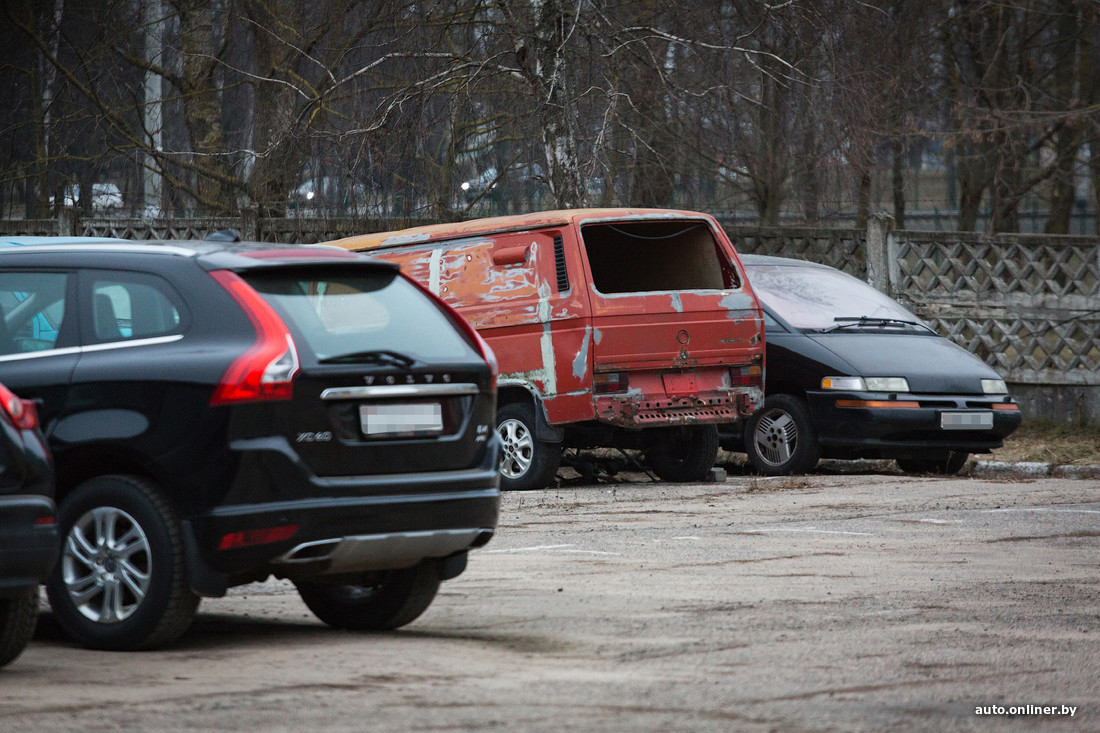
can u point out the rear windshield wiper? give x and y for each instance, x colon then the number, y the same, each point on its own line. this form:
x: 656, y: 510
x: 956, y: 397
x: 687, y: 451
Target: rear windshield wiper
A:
x: 376, y: 356
x: 850, y: 321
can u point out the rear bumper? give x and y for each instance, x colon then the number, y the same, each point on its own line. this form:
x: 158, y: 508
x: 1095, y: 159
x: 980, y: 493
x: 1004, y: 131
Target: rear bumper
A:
x: 640, y: 410
x: 892, y: 432
x: 28, y: 550
x: 356, y: 523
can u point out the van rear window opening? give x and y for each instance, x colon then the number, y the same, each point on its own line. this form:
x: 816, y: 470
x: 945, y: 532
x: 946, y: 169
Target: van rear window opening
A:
x: 635, y: 257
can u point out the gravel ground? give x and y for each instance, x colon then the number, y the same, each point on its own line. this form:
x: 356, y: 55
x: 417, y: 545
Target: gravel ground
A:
x: 827, y: 602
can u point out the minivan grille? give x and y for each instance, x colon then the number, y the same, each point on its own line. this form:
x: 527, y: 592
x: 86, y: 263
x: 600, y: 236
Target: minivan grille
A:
x: 559, y: 263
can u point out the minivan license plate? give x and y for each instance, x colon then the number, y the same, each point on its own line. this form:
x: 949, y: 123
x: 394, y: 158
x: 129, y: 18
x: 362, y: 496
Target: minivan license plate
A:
x: 966, y: 420
x: 401, y: 418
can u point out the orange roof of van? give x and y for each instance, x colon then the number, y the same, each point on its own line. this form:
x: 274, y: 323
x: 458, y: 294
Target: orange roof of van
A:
x: 496, y: 224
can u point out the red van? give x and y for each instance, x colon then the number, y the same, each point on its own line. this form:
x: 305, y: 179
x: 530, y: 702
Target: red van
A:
x: 633, y: 328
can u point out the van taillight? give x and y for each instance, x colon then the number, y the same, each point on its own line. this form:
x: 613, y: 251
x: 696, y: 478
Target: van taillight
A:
x: 266, y: 370
x: 609, y: 382
x: 22, y: 412
x: 750, y: 376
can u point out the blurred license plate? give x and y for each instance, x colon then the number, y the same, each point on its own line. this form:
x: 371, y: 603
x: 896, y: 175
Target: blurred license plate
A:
x: 966, y: 420
x: 401, y: 418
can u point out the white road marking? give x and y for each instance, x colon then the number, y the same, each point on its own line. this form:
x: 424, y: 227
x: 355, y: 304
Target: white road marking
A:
x: 808, y: 529
x: 1044, y: 509
x: 536, y: 548
x: 687, y: 537
x: 588, y: 552
x: 940, y: 521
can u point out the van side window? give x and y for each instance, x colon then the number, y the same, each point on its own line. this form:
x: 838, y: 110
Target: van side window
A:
x: 633, y: 257
x: 133, y: 307
x: 32, y: 307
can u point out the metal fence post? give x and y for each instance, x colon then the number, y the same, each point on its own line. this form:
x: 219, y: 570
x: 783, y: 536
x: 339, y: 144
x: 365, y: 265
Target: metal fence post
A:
x: 878, y: 231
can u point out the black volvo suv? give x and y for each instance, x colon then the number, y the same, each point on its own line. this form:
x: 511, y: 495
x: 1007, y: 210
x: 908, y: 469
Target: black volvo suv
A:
x: 28, y: 524
x: 219, y: 413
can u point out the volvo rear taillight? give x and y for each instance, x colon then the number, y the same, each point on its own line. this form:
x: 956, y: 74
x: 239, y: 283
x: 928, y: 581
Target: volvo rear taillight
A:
x: 266, y: 370
x: 23, y: 413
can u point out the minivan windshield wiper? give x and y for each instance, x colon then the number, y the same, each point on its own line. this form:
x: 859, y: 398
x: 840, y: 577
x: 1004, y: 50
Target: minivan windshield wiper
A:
x: 376, y: 356
x: 856, y: 321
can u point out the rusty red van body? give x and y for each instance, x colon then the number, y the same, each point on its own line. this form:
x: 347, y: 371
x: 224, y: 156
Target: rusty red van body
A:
x: 613, y: 327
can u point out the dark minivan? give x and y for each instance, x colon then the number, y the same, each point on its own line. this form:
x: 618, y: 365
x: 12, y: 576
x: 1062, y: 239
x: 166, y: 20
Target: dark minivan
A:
x: 219, y: 413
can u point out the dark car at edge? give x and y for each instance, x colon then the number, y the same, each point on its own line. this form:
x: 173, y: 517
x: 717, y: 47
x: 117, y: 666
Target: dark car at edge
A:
x: 28, y: 520
x: 850, y: 373
x: 220, y: 413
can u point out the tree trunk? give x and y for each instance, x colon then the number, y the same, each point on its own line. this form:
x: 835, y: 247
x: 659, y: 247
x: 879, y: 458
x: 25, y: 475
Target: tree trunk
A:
x: 557, y: 109
x: 215, y: 187
x: 280, y: 152
x: 898, y: 152
x: 1067, y: 141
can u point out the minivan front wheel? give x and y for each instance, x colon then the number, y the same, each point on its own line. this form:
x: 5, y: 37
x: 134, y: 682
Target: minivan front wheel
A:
x: 779, y: 438
x: 385, y: 600
x: 120, y: 583
x: 684, y: 454
x: 528, y: 463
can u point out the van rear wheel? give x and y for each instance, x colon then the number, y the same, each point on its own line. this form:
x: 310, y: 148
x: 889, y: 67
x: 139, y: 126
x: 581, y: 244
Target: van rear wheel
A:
x: 684, y: 454
x: 528, y: 463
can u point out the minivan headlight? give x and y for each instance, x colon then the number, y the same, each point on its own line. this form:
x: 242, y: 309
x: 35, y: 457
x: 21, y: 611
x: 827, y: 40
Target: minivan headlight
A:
x: 850, y: 384
x: 994, y: 386
x: 886, y: 384
x: 866, y: 384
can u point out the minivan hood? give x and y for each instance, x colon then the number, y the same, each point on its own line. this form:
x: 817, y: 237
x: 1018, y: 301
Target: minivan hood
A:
x: 931, y: 364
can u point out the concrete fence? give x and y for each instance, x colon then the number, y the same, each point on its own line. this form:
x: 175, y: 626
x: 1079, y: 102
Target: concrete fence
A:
x: 1026, y: 304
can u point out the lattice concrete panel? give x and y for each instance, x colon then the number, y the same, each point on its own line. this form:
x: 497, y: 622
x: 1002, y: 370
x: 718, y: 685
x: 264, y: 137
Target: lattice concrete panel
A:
x: 167, y: 229
x: 1047, y: 350
x: 840, y: 248
x: 1036, y: 267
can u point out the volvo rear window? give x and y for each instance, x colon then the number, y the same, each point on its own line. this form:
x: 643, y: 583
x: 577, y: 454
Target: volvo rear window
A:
x: 364, y: 315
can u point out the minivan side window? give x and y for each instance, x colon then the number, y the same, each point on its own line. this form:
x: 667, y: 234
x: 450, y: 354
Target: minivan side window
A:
x: 32, y: 307
x: 133, y: 306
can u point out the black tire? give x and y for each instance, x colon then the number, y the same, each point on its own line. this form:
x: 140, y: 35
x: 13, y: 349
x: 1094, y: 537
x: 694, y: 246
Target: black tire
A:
x: 948, y: 466
x: 779, y: 438
x: 94, y: 588
x: 528, y: 463
x: 684, y: 454
x: 18, y: 617
x: 387, y: 600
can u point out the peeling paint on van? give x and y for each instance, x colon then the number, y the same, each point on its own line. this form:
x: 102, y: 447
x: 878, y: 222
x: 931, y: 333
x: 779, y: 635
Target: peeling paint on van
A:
x: 434, y: 268
x: 737, y: 301
x: 580, y: 364
x: 597, y: 334
x: 677, y: 304
x: 405, y: 239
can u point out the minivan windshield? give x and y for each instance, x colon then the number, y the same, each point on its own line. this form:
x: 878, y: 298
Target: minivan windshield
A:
x: 367, y: 315
x: 815, y: 298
